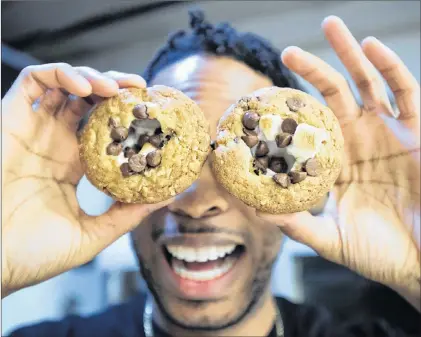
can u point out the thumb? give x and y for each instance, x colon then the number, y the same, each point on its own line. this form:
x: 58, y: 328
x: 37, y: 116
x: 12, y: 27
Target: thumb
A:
x: 100, y: 231
x: 320, y: 233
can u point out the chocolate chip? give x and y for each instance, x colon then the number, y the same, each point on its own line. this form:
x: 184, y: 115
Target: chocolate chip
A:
x: 137, y: 163
x: 297, y: 177
x: 262, y: 149
x: 142, y: 140
x: 289, y: 125
x: 261, y: 164
x: 140, y: 111
x: 112, y: 123
x: 282, y: 179
x: 119, y: 133
x: 154, y: 158
x: 312, y: 167
x: 278, y: 165
x: 114, y: 149
x: 125, y: 170
x: 213, y: 145
x: 158, y: 131
x: 156, y: 140
x: 249, y: 132
x: 283, y: 139
x: 250, y: 120
x: 250, y: 140
x: 295, y: 103
x: 129, y: 152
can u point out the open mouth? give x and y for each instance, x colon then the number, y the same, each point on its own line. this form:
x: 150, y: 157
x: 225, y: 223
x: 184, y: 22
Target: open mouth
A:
x: 202, y: 264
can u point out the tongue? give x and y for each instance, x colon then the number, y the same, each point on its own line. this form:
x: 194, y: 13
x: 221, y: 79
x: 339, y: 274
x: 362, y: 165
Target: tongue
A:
x: 201, y: 266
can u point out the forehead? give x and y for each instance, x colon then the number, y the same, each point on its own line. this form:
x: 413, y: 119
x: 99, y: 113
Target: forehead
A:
x: 214, y: 82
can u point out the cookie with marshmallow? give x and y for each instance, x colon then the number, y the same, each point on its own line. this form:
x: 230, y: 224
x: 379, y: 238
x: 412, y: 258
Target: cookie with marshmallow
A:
x: 279, y: 150
x: 145, y: 145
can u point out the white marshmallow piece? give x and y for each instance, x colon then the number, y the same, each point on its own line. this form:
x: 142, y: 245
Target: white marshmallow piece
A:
x: 306, y: 142
x: 270, y: 126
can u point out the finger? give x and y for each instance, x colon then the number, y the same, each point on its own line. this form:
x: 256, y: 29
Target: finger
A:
x: 370, y: 85
x: 77, y: 108
x: 331, y: 84
x: 102, y: 85
x: 126, y: 80
x: 52, y: 101
x: 101, y: 231
x: 319, y: 233
x: 400, y: 80
x: 34, y: 81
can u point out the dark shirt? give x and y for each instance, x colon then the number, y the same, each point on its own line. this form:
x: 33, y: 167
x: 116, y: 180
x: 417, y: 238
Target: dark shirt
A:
x: 126, y: 320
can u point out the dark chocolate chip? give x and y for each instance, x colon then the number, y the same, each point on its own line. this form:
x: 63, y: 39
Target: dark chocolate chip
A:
x: 129, y: 152
x: 261, y: 164
x: 125, y: 170
x: 282, y: 179
x: 250, y: 140
x: 278, y: 165
x: 312, y: 167
x: 112, y: 123
x: 213, y: 145
x: 264, y: 161
x: 137, y: 163
x: 114, y: 149
x: 158, y: 131
x: 153, y: 158
x: 283, y: 139
x: 156, y: 140
x: 119, y: 133
x: 140, y: 111
x: 249, y: 132
x: 250, y: 120
x: 295, y: 103
x: 262, y: 149
x: 297, y: 177
x: 289, y: 125
x: 142, y: 140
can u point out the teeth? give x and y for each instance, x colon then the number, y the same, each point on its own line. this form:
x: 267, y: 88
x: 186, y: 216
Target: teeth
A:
x: 204, y: 275
x: 270, y: 125
x: 201, y: 254
x: 306, y: 142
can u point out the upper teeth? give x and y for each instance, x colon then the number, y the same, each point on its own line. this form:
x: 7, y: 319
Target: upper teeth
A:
x: 201, y: 254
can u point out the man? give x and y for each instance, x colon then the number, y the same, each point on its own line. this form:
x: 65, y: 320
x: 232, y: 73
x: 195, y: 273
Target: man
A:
x: 375, y: 231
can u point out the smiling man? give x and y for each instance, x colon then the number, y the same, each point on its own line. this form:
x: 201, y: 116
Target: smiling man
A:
x: 207, y: 258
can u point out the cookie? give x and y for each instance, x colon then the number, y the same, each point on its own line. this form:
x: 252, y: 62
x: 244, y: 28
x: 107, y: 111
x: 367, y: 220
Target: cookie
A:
x: 145, y: 145
x: 278, y: 150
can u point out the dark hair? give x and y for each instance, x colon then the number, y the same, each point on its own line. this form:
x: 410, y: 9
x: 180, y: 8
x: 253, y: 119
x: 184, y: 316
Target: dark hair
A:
x: 223, y: 40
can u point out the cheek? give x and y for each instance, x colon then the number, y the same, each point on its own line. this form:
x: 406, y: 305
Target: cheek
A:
x: 268, y: 239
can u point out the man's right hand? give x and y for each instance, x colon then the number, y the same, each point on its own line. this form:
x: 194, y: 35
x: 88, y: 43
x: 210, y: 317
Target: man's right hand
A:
x: 44, y: 230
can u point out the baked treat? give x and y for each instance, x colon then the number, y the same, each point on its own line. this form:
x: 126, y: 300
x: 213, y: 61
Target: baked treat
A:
x: 278, y: 150
x: 145, y: 145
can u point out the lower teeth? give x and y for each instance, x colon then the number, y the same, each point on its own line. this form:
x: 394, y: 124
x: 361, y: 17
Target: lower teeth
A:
x: 181, y: 270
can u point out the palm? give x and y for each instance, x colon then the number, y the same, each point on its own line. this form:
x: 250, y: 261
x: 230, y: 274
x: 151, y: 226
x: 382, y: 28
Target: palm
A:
x: 41, y: 170
x: 374, y: 228
x: 378, y: 193
x: 44, y: 231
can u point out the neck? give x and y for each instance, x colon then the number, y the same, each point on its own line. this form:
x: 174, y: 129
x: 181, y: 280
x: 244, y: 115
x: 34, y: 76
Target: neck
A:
x: 258, y: 322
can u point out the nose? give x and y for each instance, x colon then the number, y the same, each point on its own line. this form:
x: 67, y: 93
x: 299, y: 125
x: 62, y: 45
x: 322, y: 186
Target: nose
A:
x: 205, y: 198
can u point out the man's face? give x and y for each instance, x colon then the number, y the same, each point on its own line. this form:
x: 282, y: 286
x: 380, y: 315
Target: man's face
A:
x: 206, y: 257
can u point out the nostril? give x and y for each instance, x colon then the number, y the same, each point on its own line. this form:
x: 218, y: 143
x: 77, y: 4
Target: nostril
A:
x: 180, y: 212
x: 212, y: 211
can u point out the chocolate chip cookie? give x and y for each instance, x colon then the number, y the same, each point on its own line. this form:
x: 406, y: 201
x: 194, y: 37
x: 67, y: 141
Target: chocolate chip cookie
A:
x: 145, y: 145
x: 279, y: 150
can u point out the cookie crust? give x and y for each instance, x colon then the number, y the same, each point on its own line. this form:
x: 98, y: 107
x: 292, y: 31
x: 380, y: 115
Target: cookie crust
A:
x: 232, y: 159
x: 182, y: 156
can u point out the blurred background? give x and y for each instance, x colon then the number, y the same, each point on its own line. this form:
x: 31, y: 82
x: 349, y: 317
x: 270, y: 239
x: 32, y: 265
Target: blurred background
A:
x: 123, y: 35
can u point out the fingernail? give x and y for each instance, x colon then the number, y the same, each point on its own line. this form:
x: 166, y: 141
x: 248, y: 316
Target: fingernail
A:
x: 332, y: 18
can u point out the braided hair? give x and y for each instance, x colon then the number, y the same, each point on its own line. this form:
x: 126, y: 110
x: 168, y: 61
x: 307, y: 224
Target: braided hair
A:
x: 222, y: 40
